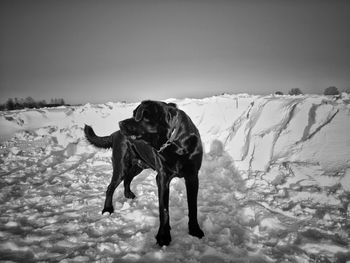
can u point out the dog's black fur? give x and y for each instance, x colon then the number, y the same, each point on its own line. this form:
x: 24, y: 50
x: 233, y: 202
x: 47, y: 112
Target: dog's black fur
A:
x: 162, y: 137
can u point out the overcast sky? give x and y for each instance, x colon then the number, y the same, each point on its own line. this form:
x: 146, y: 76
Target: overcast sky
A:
x: 99, y: 51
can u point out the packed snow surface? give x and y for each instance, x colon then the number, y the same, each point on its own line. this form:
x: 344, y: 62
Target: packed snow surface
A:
x: 274, y: 185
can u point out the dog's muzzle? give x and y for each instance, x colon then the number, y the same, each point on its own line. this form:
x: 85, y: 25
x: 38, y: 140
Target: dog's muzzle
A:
x: 126, y: 131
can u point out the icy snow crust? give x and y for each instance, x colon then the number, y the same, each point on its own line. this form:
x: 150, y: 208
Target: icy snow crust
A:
x: 274, y: 185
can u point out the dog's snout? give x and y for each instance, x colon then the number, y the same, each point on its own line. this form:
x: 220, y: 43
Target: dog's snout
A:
x: 126, y: 127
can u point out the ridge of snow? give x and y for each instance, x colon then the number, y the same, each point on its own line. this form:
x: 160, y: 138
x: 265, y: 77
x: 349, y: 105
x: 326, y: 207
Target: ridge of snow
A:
x: 256, y: 131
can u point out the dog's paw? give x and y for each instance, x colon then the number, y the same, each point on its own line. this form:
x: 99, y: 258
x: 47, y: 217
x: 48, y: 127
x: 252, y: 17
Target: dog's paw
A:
x: 194, y: 230
x: 129, y: 195
x: 163, y: 239
x: 110, y: 210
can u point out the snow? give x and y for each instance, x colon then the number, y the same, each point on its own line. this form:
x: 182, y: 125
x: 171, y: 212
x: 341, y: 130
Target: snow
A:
x: 274, y: 185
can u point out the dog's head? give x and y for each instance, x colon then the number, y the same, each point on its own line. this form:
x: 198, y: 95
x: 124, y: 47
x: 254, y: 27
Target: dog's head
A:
x: 150, y: 122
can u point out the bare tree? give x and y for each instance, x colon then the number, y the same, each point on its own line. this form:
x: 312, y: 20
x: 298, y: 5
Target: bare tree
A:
x: 10, y: 105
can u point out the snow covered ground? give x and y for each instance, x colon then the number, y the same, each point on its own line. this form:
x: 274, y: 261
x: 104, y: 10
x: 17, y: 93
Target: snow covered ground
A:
x: 274, y: 185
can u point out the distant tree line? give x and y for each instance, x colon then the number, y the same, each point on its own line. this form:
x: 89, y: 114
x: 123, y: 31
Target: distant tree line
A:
x: 30, y: 103
x: 328, y: 91
x: 294, y: 91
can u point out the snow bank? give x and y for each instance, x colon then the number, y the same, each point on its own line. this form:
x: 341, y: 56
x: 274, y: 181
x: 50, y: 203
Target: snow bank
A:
x: 256, y: 131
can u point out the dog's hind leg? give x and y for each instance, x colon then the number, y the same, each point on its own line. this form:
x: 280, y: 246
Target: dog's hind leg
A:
x: 131, y: 173
x: 108, y: 207
x: 117, y: 178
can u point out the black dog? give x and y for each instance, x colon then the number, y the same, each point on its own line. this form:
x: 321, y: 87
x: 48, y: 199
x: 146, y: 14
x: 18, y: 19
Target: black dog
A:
x: 161, y: 137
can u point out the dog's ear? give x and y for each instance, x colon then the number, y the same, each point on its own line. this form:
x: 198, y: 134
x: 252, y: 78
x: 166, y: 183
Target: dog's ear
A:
x: 138, y: 113
x: 171, y: 112
x: 172, y: 104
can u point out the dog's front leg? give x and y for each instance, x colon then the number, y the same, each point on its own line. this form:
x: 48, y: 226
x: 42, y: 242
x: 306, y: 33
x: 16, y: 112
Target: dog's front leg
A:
x: 191, y: 182
x: 163, y: 237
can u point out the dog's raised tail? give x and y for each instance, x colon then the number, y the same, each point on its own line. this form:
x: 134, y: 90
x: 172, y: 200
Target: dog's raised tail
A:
x: 100, y: 142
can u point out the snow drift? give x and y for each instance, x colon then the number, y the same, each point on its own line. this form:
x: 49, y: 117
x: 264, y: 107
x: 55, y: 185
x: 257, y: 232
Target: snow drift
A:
x: 257, y: 132
x: 274, y: 186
